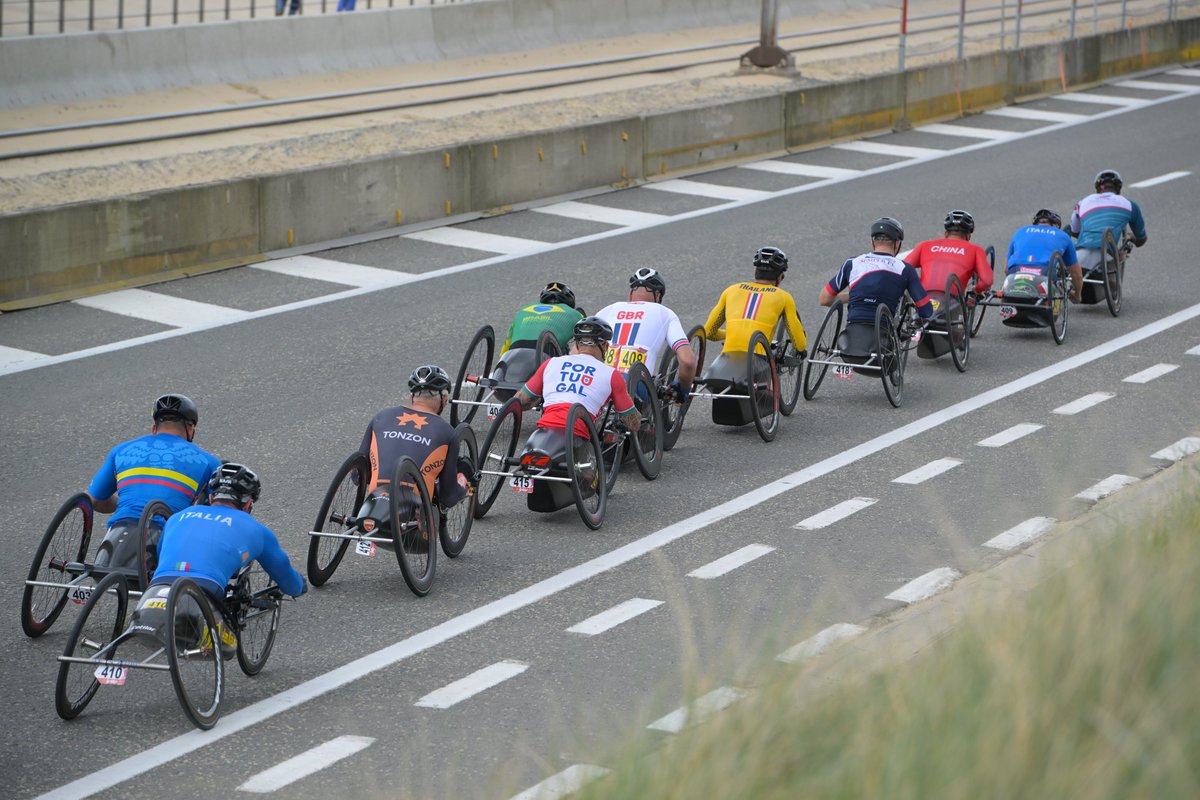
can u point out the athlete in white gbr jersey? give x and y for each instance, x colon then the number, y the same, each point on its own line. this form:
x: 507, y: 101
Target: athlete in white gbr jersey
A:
x: 643, y: 330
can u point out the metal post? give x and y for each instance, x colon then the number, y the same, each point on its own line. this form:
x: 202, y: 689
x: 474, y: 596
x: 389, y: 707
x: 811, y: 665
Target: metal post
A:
x: 147, y: 13
x: 962, y: 23
x: 120, y: 14
x: 91, y: 15
x: 1123, y: 14
x: 1017, y: 44
x: 1095, y: 18
x: 226, y: 10
x: 31, y: 17
x: 1003, y: 20
x: 253, y: 3
x: 62, y: 13
x: 201, y: 11
x: 768, y: 53
x: 174, y: 12
x: 903, y: 31
x: 1071, y: 30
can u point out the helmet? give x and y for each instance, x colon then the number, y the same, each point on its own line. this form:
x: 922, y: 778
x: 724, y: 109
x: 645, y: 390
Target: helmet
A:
x: 594, y: 328
x: 650, y: 279
x: 1110, y: 177
x: 556, y: 292
x: 175, y: 408
x: 770, y: 259
x: 1045, y: 213
x: 429, y: 378
x: 887, y: 228
x: 234, y: 482
x: 959, y: 220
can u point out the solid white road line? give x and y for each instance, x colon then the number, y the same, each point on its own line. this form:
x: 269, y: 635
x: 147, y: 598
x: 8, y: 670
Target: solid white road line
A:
x: 819, y: 642
x: 591, y: 212
x: 727, y: 564
x: 929, y: 584
x: 1181, y: 449
x: 930, y: 470
x: 1021, y: 534
x: 477, y: 240
x: 698, y: 711
x: 168, y: 750
x: 803, y: 170
x: 11, y: 355
x: 1113, y: 483
x: 1195, y: 351
x: 478, y: 681
x: 161, y: 308
x: 1099, y: 99
x: 969, y: 132
x: 324, y: 269
x: 1149, y: 374
x: 614, y: 616
x: 564, y: 784
x: 1158, y: 86
x: 1010, y: 435
x: 305, y: 764
x: 1024, y: 112
x: 701, y: 189
x: 834, y: 514
x: 1170, y: 176
x: 1084, y: 403
x: 881, y: 149
x: 1186, y: 72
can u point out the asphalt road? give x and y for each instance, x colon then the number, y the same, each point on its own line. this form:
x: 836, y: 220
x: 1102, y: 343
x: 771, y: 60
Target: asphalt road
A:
x: 290, y: 392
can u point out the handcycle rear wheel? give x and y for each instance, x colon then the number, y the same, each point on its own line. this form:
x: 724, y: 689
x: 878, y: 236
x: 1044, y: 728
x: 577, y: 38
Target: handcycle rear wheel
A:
x: 957, y: 323
x: 342, y: 501
x: 822, y: 349
x: 256, y: 619
x: 416, y: 550
x: 476, y: 364
x: 496, y: 455
x: 1056, y: 296
x: 1110, y: 264
x: 454, y: 524
x: 585, y: 468
x: 762, y: 384
x: 194, y: 653
x: 147, y: 555
x: 66, y: 540
x: 647, y: 443
x: 668, y: 370
x: 99, y: 623
x: 891, y: 360
x: 789, y: 362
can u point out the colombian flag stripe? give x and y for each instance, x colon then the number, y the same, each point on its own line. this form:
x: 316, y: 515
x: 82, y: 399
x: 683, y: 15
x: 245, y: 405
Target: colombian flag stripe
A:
x: 168, y: 484
x: 160, y: 473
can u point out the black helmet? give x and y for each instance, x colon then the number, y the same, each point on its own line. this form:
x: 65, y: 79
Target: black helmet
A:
x: 429, y: 378
x: 649, y: 278
x: 593, y: 328
x: 175, y: 408
x: 959, y: 220
x: 556, y: 292
x: 1110, y: 177
x: 770, y: 260
x: 887, y: 228
x: 1045, y: 213
x: 234, y: 482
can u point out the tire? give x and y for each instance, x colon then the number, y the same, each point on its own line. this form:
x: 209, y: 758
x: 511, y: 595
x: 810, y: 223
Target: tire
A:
x: 673, y: 413
x: 256, y: 618
x: 477, y: 363
x: 1056, y: 292
x: 647, y: 443
x: 789, y: 362
x: 96, y: 628
x: 822, y: 349
x: 499, y: 447
x: 1110, y: 265
x: 977, y: 311
x: 194, y: 656
x: 416, y: 550
x: 958, y: 323
x: 612, y: 446
x: 891, y: 359
x: 147, y: 555
x: 585, y: 468
x: 66, y: 540
x: 342, y: 501
x: 763, y: 387
x: 454, y: 524
x: 547, y: 347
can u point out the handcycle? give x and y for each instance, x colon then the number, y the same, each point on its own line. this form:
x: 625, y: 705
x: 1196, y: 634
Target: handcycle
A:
x: 977, y: 311
x: 1105, y: 280
x: 181, y: 630
x: 880, y: 348
x: 667, y: 372
x: 1033, y: 298
x: 483, y: 384
x: 948, y: 331
x: 400, y: 518
x: 61, y: 570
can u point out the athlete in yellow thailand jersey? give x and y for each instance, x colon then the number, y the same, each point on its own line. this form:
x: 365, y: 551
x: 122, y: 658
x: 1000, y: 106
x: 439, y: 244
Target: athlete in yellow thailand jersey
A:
x: 756, y: 305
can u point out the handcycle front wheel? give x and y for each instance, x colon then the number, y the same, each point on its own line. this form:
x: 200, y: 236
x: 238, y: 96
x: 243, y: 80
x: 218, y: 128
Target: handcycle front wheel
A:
x: 823, y: 347
x: 66, y: 540
x: 476, y: 364
x: 194, y: 653
x: 647, y: 443
x: 256, y: 619
x: 496, y: 455
x: 762, y: 384
x: 342, y: 501
x: 98, y: 625
x: 416, y: 550
x: 454, y: 524
x: 585, y: 468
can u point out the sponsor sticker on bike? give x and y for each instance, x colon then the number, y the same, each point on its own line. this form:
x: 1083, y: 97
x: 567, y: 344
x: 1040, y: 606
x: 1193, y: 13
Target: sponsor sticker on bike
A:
x: 493, y: 410
x: 111, y: 675
x: 844, y: 371
x: 80, y: 594
x: 521, y: 483
x: 365, y: 548
x: 1008, y: 312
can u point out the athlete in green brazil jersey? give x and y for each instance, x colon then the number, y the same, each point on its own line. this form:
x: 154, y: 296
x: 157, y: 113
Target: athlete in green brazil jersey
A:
x: 555, y: 312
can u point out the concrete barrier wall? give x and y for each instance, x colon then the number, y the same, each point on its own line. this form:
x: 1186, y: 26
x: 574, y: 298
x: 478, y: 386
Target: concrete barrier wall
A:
x: 75, y: 250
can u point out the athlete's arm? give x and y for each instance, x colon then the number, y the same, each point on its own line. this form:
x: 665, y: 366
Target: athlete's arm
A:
x: 531, y: 392
x: 365, y: 447
x: 630, y: 416
x: 984, y: 270
x: 714, y: 326
x: 917, y: 292
x: 837, y: 284
x: 1076, y: 223
x: 1138, y: 224
x: 103, y: 488
x: 508, y: 337
x: 449, y: 490
x: 913, y: 259
x: 794, y: 326
x: 677, y: 340
x: 278, y: 566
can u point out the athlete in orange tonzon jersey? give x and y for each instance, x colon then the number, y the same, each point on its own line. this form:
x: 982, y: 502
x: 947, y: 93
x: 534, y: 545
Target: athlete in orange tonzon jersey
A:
x: 937, y: 259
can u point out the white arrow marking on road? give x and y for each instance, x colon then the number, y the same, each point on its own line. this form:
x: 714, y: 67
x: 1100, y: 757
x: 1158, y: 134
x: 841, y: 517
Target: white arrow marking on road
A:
x: 700, y: 710
x: 929, y: 584
x: 1084, y: 403
x: 614, y: 616
x: 701, y: 189
x: 834, y: 514
x: 881, y: 149
x: 1100, y: 99
x: 305, y: 764
x: 1113, y: 483
x: 1147, y: 375
x: 564, y: 784
x: 729, y: 563
x: 819, y: 642
x: 969, y: 132
x: 161, y: 308
x: 590, y: 212
x: 476, y: 240
x: 1010, y: 435
x: 324, y: 269
x: 930, y: 470
x: 803, y: 170
x: 11, y: 355
x: 1170, y: 176
x: 1021, y: 534
x: 1181, y: 449
x: 478, y: 681
x: 1024, y: 112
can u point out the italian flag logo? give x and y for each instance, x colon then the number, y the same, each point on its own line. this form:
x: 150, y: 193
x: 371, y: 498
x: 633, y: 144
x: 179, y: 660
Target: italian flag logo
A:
x: 183, y: 566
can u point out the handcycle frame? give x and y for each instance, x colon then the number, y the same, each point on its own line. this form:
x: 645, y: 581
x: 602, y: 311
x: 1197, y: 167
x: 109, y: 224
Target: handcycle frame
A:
x: 1040, y: 313
x: 673, y: 413
x: 478, y: 374
x: 748, y: 405
x: 1111, y: 271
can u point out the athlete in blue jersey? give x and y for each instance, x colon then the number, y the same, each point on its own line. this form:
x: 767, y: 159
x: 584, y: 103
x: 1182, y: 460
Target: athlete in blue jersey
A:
x: 163, y: 465
x: 1105, y: 209
x: 877, y: 277
x: 1032, y: 248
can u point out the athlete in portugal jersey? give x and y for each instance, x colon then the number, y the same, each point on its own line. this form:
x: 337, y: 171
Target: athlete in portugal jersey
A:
x: 554, y: 311
x: 877, y: 277
x: 1033, y: 247
x: 937, y: 259
x: 1106, y: 209
x: 163, y: 465
x: 756, y: 305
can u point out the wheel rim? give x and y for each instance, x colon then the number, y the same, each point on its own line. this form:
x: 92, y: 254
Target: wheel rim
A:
x: 495, y: 455
x: 195, y: 654
x: 585, y: 465
x: 415, y: 535
x: 96, y: 628
x: 258, y: 620
x: 66, y: 540
x: 455, y: 524
x: 648, y: 441
x: 477, y: 363
x: 822, y: 350
x: 342, y: 501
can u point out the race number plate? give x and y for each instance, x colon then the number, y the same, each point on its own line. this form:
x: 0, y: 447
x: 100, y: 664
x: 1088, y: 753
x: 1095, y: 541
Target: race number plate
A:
x: 844, y: 371
x: 110, y: 675
x: 365, y: 548
x: 521, y: 483
x: 493, y: 410
x: 1008, y: 312
x: 80, y: 594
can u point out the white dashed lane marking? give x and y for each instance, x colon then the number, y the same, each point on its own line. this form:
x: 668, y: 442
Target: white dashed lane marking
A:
x: 1195, y: 351
x: 1170, y: 176
x: 969, y: 132
x: 832, y: 515
x: 473, y: 684
x: 930, y: 470
x: 701, y: 189
x: 324, y: 269
x: 305, y: 764
x: 1157, y: 86
x: 1185, y: 72
x: 11, y: 355
x: 1084, y: 403
x: 803, y: 170
x: 1010, y: 435
x: 1181, y: 449
x: 1100, y: 99
x: 1021, y: 534
x: 929, y: 584
x: 476, y: 240
x: 1147, y: 375
x: 564, y: 784
x: 163, y: 309
x: 1111, y: 484
x: 881, y: 149
x: 729, y: 563
x: 700, y: 710
x: 606, y: 620
x: 1023, y: 112
x: 819, y: 642
x: 594, y: 213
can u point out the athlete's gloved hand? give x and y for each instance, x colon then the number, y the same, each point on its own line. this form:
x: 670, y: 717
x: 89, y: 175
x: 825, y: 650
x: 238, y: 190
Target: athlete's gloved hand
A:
x: 303, y: 586
x: 680, y: 391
